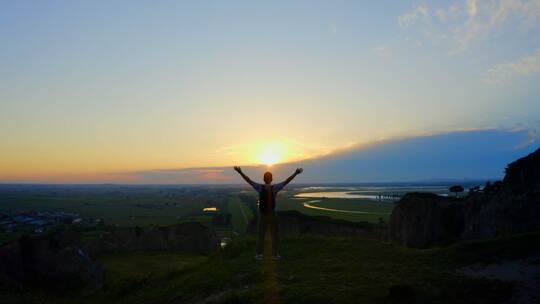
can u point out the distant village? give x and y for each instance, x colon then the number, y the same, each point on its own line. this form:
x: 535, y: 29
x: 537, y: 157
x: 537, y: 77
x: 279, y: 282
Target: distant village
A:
x: 39, y: 222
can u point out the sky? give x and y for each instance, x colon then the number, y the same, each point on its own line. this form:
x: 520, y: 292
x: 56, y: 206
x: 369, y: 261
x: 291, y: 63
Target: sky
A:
x: 472, y: 156
x: 95, y: 91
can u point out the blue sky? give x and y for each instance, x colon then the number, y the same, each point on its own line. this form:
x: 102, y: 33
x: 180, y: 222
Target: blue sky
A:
x: 90, y: 88
x: 478, y: 155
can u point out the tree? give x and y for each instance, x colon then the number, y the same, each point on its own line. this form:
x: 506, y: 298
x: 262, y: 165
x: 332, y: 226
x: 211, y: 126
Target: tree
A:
x: 456, y: 189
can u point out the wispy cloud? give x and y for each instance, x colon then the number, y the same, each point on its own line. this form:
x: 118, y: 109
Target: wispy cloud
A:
x: 183, y: 176
x: 466, y: 22
x: 471, y: 8
x: 533, y: 135
x: 229, y: 150
x: 207, y: 171
x: 504, y: 72
x: 381, y: 50
x: 419, y: 13
x: 492, y: 15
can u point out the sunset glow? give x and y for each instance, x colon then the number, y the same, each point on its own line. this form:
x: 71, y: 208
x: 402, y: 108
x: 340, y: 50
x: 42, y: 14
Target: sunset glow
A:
x: 272, y: 154
x: 94, y: 99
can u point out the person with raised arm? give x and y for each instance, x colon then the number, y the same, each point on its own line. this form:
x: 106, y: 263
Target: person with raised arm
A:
x: 267, y: 204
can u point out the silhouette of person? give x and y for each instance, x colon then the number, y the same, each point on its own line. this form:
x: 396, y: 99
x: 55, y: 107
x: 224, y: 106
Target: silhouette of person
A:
x: 267, y: 204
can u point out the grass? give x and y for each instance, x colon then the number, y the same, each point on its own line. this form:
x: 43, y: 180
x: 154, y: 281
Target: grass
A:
x: 144, y: 206
x: 116, y: 206
x: 287, y: 201
x: 128, y: 273
x: 6, y: 237
x: 241, y: 214
x: 313, y: 270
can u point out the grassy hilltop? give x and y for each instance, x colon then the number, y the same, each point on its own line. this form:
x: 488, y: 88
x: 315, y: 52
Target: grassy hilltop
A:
x: 313, y: 270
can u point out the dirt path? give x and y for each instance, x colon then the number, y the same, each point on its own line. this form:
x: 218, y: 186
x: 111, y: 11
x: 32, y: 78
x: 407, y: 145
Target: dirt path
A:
x: 524, y: 273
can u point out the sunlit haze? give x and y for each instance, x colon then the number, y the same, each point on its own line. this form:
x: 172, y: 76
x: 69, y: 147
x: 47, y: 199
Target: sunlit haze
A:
x: 272, y: 153
x: 91, y: 91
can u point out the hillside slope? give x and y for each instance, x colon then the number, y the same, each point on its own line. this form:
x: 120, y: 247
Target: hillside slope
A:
x: 313, y: 270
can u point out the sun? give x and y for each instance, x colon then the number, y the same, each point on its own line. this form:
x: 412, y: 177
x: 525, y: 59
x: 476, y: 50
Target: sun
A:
x: 271, y: 154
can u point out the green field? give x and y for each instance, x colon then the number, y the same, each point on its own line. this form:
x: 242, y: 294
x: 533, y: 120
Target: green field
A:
x: 121, y: 206
x: 313, y: 270
x: 287, y: 201
x: 241, y: 214
x: 381, y: 209
x: 167, y: 205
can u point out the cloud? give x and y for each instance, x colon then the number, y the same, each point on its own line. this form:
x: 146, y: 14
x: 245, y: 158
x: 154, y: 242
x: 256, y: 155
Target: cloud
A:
x: 533, y: 135
x: 381, y: 50
x: 504, y: 72
x: 467, y: 153
x: 469, y: 21
x: 421, y: 12
x: 473, y: 154
x: 471, y: 8
x: 207, y: 171
x: 492, y: 15
x: 182, y: 176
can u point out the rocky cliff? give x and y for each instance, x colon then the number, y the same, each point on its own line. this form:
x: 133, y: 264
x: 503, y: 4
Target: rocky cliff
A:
x: 502, y: 212
x: 60, y: 261
x: 294, y: 223
x: 185, y: 237
x: 425, y: 219
x: 508, y: 207
x: 54, y: 263
x: 523, y: 175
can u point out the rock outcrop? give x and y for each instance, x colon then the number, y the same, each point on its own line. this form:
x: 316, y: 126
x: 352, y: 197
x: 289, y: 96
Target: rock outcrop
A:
x: 61, y: 261
x: 523, y: 175
x: 508, y: 207
x: 294, y: 223
x: 425, y: 219
x: 185, y: 237
x: 502, y: 212
x: 54, y: 263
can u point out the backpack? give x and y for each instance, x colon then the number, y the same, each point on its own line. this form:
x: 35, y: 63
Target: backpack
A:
x: 265, y: 206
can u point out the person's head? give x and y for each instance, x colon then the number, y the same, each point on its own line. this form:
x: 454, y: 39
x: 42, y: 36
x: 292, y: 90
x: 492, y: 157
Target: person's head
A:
x: 267, y: 177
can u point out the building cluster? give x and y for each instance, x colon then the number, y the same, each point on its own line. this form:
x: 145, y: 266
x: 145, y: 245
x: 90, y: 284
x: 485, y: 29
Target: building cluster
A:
x: 37, y: 222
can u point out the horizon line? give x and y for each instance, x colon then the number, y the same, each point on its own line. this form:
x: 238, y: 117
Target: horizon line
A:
x: 427, y: 181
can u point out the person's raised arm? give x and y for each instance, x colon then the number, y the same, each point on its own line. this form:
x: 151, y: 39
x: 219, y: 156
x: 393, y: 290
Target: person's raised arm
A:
x: 245, y: 177
x: 290, y: 178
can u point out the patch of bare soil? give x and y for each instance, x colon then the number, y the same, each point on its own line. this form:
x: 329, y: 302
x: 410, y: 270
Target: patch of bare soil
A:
x: 524, y: 274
